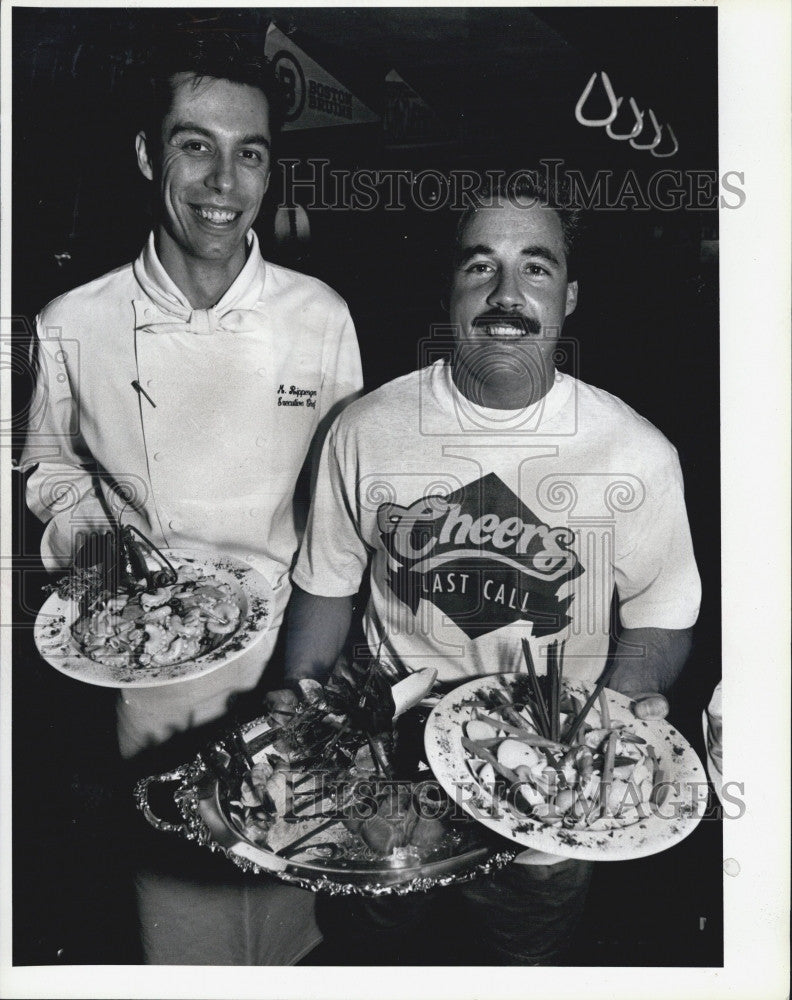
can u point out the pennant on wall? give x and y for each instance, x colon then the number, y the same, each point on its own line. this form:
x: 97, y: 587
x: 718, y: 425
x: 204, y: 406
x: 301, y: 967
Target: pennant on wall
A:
x: 408, y: 118
x: 315, y: 99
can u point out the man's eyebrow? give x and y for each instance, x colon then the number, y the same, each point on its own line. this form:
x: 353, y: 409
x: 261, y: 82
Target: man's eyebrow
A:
x: 180, y: 127
x: 256, y: 139
x: 467, y: 253
x: 535, y: 250
x: 543, y: 252
x: 253, y: 139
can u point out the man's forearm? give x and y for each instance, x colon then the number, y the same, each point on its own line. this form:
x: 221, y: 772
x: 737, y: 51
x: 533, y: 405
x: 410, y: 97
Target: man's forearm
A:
x: 650, y: 659
x: 317, y: 628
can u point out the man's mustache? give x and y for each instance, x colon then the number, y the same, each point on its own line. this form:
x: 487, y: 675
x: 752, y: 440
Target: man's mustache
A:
x: 528, y: 323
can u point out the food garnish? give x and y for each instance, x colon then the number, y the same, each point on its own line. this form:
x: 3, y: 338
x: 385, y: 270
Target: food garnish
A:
x: 138, y: 609
x: 336, y: 760
x: 555, y: 759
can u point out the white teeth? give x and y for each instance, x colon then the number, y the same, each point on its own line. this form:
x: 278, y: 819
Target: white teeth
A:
x: 505, y: 331
x: 216, y: 215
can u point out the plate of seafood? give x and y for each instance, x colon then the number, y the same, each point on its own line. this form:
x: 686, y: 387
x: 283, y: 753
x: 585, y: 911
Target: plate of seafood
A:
x: 331, y: 792
x: 197, y: 612
x: 555, y: 765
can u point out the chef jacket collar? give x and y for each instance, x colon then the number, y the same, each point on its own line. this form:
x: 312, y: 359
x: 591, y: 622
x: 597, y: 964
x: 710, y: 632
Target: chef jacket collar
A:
x: 170, y: 303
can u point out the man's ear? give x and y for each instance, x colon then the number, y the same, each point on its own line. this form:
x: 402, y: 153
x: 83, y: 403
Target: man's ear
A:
x: 143, y: 157
x: 571, y: 297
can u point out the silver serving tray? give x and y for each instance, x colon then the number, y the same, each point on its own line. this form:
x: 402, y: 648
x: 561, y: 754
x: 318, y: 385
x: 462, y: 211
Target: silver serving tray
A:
x: 200, y: 800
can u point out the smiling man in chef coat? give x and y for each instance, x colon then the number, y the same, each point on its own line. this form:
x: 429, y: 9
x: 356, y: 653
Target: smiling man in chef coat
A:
x: 182, y: 393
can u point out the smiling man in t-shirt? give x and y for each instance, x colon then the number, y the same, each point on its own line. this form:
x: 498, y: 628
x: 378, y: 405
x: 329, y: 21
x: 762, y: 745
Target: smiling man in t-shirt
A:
x: 495, y: 499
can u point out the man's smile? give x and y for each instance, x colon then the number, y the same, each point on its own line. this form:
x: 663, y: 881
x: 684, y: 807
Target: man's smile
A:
x: 506, y: 327
x: 215, y: 216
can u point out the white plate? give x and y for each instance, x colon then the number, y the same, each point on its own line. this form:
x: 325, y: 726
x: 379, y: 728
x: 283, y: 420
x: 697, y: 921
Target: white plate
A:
x: 55, y: 642
x: 665, y: 826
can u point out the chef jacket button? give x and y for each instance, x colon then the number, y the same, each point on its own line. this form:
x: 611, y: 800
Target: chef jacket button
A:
x: 150, y: 383
x: 173, y: 525
x: 260, y: 441
x: 262, y: 372
x: 157, y: 456
x: 254, y: 512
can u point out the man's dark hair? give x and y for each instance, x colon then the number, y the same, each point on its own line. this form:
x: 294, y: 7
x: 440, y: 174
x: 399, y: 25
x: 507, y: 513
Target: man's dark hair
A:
x: 523, y: 190
x: 221, y: 55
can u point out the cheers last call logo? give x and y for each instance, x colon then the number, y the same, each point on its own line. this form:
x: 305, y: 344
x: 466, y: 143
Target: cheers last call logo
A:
x: 482, y: 557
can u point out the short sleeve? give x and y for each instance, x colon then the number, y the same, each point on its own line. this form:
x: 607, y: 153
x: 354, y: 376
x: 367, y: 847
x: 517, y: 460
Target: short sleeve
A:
x: 342, y: 378
x: 333, y: 556
x: 656, y: 575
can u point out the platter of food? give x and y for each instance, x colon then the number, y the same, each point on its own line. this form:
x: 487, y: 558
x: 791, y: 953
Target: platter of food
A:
x: 600, y: 784
x: 329, y: 794
x: 208, y: 611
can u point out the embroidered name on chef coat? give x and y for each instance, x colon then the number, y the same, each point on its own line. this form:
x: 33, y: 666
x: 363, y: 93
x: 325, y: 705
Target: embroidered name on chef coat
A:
x: 294, y: 395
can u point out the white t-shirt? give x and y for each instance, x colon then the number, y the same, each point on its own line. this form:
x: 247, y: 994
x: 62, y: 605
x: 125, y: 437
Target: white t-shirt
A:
x: 485, y: 526
x: 191, y: 425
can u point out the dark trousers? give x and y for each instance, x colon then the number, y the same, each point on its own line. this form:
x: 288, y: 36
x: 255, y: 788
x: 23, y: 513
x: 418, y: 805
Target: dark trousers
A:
x: 519, y: 915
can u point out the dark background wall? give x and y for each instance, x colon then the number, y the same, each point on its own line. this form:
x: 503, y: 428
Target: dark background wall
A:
x: 503, y: 84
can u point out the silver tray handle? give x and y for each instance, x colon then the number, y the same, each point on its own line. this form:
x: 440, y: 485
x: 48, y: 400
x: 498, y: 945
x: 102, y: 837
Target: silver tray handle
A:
x: 141, y: 797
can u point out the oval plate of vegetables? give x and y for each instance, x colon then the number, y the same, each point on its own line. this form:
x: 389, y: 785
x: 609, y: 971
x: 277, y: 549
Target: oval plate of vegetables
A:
x: 555, y: 765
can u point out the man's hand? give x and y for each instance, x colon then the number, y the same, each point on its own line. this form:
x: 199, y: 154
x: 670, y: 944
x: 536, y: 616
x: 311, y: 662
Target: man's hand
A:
x: 281, y: 705
x: 649, y: 660
x: 96, y: 564
x: 94, y: 548
x: 649, y: 705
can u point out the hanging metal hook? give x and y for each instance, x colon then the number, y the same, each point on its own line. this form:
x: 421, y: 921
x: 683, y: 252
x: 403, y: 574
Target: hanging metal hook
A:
x: 657, y: 138
x: 636, y: 129
x: 593, y: 122
x: 673, y: 151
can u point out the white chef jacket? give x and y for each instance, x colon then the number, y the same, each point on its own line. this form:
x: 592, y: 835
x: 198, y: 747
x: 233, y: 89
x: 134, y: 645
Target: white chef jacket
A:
x: 192, y: 425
